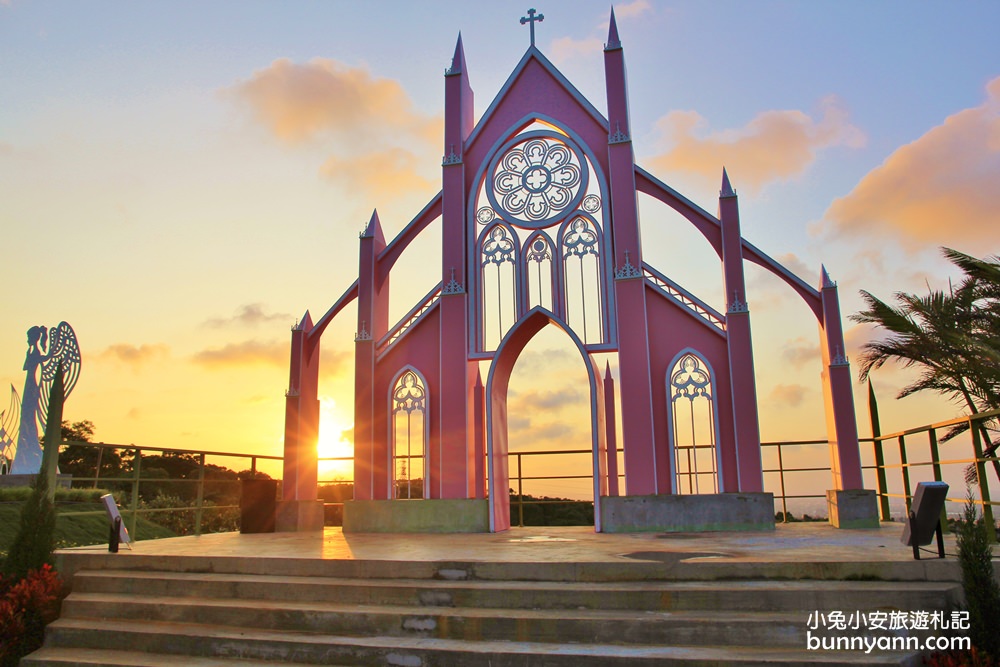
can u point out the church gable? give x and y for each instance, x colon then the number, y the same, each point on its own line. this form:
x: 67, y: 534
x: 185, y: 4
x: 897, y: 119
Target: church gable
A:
x: 536, y: 90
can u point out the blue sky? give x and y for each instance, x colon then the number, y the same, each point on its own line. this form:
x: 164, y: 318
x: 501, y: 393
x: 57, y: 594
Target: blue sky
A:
x: 162, y: 188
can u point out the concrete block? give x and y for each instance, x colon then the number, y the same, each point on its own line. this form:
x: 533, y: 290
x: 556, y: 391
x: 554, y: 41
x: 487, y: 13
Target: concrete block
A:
x: 688, y: 513
x: 299, y: 516
x: 852, y: 508
x: 432, y: 515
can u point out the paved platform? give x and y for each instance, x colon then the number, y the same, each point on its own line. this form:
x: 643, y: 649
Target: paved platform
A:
x: 798, y: 550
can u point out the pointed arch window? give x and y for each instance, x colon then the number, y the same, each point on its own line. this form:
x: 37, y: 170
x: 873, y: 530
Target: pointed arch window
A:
x: 538, y: 259
x: 583, y: 291
x: 498, y: 248
x: 693, y: 425
x: 409, y: 435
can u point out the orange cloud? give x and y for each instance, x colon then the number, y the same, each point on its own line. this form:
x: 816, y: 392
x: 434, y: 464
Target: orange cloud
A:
x: 250, y: 315
x: 633, y: 9
x: 134, y: 355
x: 244, y: 353
x: 268, y: 353
x: 379, y: 176
x: 800, y: 351
x: 789, y: 394
x: 567, y: 50
x: 939, y: 189
x: 299, y: 102
x: 775, y: 145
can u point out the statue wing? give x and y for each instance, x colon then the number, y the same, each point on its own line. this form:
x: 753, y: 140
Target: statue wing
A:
x: 64, y: 350
x: 9, y: 423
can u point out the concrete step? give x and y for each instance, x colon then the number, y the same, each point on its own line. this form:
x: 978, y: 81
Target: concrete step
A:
x: 529, y: 625
x: 636, y: 566
x: 83, y: 657
x: 797, y: 595
x: 182, y: 640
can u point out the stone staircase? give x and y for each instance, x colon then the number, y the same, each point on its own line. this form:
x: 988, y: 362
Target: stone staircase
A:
x: 414, y: 614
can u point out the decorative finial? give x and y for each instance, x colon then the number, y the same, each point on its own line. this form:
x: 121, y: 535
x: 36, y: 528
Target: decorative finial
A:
x: 627, y: 271
x: 453, y: 286
x: 363, y: 333
x: 736, y: 305
x: 530, y: 20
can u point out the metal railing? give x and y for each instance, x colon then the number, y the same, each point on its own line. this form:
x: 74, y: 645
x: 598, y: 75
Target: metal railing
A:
x: 907, y: 464
x: 976, y: 427
x: 129, y: 479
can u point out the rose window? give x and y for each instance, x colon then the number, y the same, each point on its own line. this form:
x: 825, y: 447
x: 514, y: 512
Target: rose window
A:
x: 536, y: 180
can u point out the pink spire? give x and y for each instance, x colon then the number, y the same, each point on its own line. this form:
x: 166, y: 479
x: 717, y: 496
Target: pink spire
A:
x: 607, y: 370
x: 825, y: 280
x: 374, y: 228
x: 458, y: 60
x: 479, y: 379
x: 613, y: 41
x: 727, y: 188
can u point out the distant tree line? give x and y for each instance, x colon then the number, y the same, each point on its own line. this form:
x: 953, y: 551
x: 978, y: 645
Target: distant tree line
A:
x: 165, y: 480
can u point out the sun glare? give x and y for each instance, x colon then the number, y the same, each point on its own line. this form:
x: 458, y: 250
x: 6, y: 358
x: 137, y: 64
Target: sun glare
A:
x: 331, y: 444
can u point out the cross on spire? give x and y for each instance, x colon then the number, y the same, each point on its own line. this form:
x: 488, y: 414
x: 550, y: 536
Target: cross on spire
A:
x: 530, y: 20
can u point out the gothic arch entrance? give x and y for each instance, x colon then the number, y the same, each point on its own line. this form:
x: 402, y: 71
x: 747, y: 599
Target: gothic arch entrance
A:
x: 497, y: 384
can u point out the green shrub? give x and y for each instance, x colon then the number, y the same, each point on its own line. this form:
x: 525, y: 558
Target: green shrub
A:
x: 982, y: 594
x: 32, y: 546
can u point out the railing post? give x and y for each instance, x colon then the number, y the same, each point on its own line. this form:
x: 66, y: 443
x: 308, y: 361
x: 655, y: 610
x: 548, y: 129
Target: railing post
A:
x: 520, y: 494
x: 253, y: 467
x: 97, y: 472
x: 936, y: 465
x: 905, y: 468
x: 201, y: 494
x: 136, y: 466
x: 781, y: 477
x: 984, y: 484
x: 880, y: 482
x: 935, y: 455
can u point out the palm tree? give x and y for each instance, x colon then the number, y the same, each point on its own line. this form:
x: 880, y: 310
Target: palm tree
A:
x: 952, y: 337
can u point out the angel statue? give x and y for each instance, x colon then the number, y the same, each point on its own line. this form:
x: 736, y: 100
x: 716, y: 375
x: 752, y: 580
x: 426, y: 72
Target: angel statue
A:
x: 47, y: 351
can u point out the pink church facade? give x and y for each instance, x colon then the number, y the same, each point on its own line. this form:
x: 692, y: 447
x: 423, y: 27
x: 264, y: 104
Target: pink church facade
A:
x: 540, y: 226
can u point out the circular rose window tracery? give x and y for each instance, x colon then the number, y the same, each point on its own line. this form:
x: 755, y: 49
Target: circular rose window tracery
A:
x: 536, y: 179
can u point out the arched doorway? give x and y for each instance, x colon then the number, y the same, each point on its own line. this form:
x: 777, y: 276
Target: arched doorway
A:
x: 497, y: 386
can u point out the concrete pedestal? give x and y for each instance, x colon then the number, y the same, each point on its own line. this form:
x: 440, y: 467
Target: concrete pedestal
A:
x: 852, y: 508
x: 683, y: 514
x: 299, y: 516
x: 417, y: 516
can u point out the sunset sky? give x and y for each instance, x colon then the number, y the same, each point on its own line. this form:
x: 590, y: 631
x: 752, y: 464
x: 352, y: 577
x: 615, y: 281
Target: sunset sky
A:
x: 181, y: 181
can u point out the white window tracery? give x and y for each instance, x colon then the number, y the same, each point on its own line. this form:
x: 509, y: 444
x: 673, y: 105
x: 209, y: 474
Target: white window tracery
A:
x: 409, y: 435
x: 693, y: 426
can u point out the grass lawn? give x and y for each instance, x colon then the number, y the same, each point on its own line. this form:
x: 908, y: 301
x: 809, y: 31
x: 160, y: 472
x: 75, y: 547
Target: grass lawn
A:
x: 72, y: 531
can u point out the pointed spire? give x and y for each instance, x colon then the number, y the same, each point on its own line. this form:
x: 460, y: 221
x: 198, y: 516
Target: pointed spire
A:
x: 825, y: 280
x: 479, y: 379
x: 304, y: 324
x: 374, y: 228
x: 607, y: 370
x: 727, y: 188
x: 457, y: 60
x: 613, y: 41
